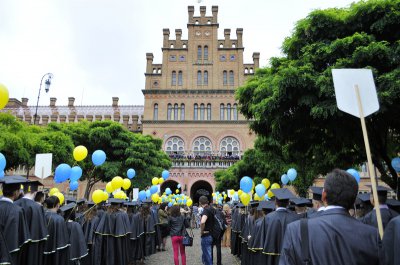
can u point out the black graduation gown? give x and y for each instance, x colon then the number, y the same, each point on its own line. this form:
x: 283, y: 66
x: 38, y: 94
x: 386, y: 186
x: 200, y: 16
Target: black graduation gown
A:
x: 275, y: 226
x: 370, y: 218
x: 89, y: 227
x: 234, y: 233
x: 157, y: 229
x: 111, y: 239
x: 5, y: 257
x: 15, y: 229
x: 256, y: 242
x: 148, y: 239
x: 57, y: 244
x: 247, y: 227
x: 34, y: 215
x: 137, y: 228
x: 391, y: 242
x: 335, y: 238
x: 78, y: 248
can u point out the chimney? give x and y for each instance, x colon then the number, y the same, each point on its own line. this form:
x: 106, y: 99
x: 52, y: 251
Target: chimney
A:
x: 239, y: 35
x: 71, y: 101
x: 178, y: 34
x: 24, y: 102
x: 202, y: 11
x: 115, y: 101
x: 149, y: 58
x: 227, y: 33
x: 191, y: 13
x: 166, y: 37
x: 53, y: 102
x: 215, y: 14
x: 256, y: 60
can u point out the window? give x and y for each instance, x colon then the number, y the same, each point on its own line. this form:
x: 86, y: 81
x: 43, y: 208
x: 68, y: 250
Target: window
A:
x: 231, y: 78
x: 246, y: 70
x: 202, y: 112
x: 229, y: 146
x: 235, y: 112
x: 206, y: 53
x: 179, y: 78
x: 209, y: 112
x: 202, y: 146
x: 195, y: 112
x: 251, y: 70
x: 169, y: 111
x: 182, y: 112
x: 155, y: 112
x: 225, y: 77
x: 176, y: 109
x: 206, y: 78
x: 184, y: 46
x: 221, y: 45
x: 172, y: 46
x: 228, y: 112
x: 198, y: 53
x: 221, y: 112
x: 175, y: 145
x: 173, y: 81
x: 199, y: 78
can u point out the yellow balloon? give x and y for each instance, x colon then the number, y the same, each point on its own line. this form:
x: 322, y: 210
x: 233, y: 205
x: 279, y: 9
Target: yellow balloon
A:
x: 231, y: 192
x: 256, y: 197
x: 177, y: 191
x: 266, y: 183
x: 117, y: 182
x: 60, y: 197
x: 155, y: 197
x: 240, y: 192
x: 109, y: 187
x: 97, y: 196
x: 105, y: 196
x: 189, y: 203
x: 245, y: 198
x: 53, y: 191
x: 126, y: 184
x: 270, y: 194
x: 154, y: 181
x: 4, y: 96
x: 275, y: 186
x: 160, y: 180
x: 80, y: 153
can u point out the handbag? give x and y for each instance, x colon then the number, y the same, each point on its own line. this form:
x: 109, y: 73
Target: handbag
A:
x: 187, y: 240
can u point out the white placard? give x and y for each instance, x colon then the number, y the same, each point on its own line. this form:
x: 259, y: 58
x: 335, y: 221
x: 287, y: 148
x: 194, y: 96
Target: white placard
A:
x: 345, y: 81
x: 135, y: 194
x: 43, y: 165
x: 228, y: 192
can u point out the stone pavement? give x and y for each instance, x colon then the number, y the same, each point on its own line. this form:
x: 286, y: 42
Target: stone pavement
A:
x: 193, y: 254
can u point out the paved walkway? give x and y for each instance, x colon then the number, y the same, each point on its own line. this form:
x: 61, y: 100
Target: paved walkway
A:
x: 193, y: 254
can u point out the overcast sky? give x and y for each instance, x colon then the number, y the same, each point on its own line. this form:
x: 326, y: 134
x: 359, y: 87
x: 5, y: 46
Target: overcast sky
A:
x: 96, y: 49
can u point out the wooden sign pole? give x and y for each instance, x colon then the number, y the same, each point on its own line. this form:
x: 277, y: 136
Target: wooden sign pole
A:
x: 370, y: 165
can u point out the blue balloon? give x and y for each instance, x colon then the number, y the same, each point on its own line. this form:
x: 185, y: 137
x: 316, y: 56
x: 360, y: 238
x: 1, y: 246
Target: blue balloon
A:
x: 292, y: 174
x: 235, y: 196
x: 354, y: 173
x: 266, y: 197
x: 142, y: 195
x: 179, y: 186
x: 246, y: 184
x: 148, y: 194
x: 170, y: 204
x: 3, y: 162
x: 153, y: 189
x: 260, y: 190
x: 2, y: 174
x: 76, y: 173
x: 284, y: 179
x: 73, y: 185
x: 165, y: 174
x: 168, y: 191
x: 62, y: 173
x: 98, y: 157
x: 131, y: 173
x: 395, y: 164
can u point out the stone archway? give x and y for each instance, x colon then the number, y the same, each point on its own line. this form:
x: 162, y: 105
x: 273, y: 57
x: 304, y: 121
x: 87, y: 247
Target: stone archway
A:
x: 200, y: 188
x: 172, y: 184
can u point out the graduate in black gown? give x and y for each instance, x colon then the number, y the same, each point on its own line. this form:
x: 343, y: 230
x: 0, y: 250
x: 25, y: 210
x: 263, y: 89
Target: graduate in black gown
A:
x: 148, y: 238
x: 234, y: 235
x: 5, y: 257
x: 275, y: 225
x: 334, y: 237
x: 78, y: 247
x: 157, y: 228
x: 136, y: 250
x: 386, y: 213
x: 245, y: 233
x: 13, y: 224
x: 57, y: 244
x: 91, y: 220
x: 391, y: 242
x: 112, y: 236
x: 317, y: 204
x: 34, y: 215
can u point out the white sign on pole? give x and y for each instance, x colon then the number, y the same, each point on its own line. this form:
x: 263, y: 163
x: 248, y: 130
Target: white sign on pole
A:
x: 345, y: 81
x: 135, y: 194
x: 229, y: 193
x: 43, y: 165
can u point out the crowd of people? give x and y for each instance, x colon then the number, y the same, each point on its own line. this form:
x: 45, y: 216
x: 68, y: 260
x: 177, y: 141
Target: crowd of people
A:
x: 206, y: 157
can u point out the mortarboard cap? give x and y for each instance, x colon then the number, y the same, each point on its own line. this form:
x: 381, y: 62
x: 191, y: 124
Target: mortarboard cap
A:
x: 240, y: 205
x: 382, y: 191
x: 300, y: 202
x: 116, y: 201
x: 266, y: 205
x: 393, y: 204
x: 129, y: 204
x: 80, y: 201
x: 68, y: 207
x: 254, y: 204
x: 14, y: 180
x: 32, y: 186
x: 283, y: 194
x: 70, y: 200
x: 90, y: 204
x: 364, y: 197
x: 317, y: 193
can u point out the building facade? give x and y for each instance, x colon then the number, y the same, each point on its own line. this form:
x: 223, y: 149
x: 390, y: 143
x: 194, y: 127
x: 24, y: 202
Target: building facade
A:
x: 190, y: 102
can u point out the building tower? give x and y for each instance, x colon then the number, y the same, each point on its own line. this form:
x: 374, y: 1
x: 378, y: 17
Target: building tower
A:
x: 190, y: 103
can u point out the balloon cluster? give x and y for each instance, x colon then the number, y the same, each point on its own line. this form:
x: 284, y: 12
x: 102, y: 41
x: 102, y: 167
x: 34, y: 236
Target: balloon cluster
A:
x: 289, y: 176
x: 99, y: 196
x: 3, y: 163
x: 58, y: 194
x: 218, y: 197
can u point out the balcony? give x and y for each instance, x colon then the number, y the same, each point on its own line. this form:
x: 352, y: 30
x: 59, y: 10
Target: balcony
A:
x: 203, y: 161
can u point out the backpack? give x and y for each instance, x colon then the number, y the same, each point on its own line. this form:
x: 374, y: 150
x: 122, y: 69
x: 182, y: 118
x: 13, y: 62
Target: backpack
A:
x: 219, y: 226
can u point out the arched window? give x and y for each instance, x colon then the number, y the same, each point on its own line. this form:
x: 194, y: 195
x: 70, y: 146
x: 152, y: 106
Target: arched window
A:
x: 222, y: 112
x: 209, y: 112
x: 206, y: 53
x: 199, y: 53
x: 233, y: 45
x: 196, y: 22
x: 176, y: 109
x: 184, y: 46
x: 173, y: 80
x: 202, y: 146
x: 221, y: 45
x: 202, y: 112
x: 155, y: 112
x: 225, y: 77
x: 206, y: 78
x: 251, y: 70
x: 179, y: 78
x: 175, y: 145
x: 169, y: 111
x: 154, y: 70
x: 182, y: 112
x: 172, y: 46
x: 199, y: 78
x: 228, y: 112
x: 246, y: 70
x: 231, y: 78
x: 235, y: 112
x: 229, y: 146
x: 195, y: 112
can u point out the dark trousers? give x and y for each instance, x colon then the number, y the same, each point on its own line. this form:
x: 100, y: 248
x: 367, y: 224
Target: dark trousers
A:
x: 217, y: 244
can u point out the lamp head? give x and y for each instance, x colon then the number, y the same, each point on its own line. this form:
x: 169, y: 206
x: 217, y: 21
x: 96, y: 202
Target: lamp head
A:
x: 47, y: 84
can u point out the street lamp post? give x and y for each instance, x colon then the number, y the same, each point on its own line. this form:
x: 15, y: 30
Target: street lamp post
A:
x: 47, y: 84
